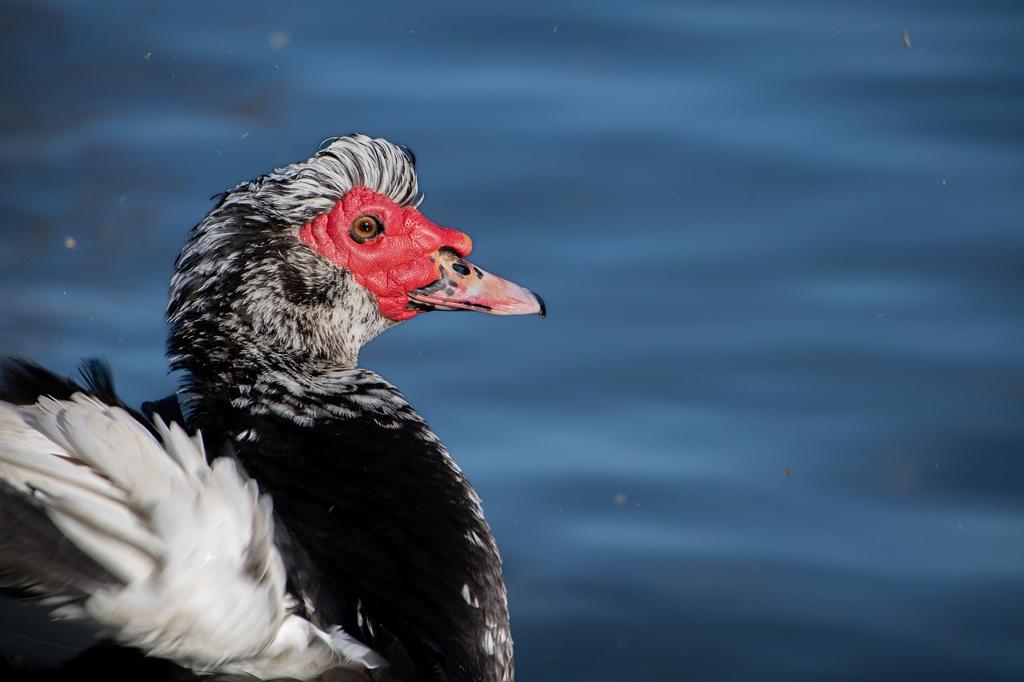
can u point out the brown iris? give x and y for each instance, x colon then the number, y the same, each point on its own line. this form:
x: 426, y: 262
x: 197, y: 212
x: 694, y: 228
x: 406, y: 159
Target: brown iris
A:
x: 365, y: 227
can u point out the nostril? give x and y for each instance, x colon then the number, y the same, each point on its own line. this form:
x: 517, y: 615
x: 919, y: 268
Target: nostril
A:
x: 460, y: 268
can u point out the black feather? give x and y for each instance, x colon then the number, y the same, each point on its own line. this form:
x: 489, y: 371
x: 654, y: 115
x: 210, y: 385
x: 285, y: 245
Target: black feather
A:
x: 23, y: 382
x: 35, y: 553
x: 167, y: 408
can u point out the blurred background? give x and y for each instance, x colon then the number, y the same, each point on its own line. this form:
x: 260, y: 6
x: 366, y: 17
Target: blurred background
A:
x: 773, y: 426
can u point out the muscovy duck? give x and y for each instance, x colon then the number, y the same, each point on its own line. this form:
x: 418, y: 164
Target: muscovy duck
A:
x: 301, y: 517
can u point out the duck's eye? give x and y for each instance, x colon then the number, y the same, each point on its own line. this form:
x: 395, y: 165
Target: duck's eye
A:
x: 366, y: 227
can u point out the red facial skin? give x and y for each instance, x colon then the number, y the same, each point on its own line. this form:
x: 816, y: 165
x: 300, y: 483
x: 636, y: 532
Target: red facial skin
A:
x: 395, y: 262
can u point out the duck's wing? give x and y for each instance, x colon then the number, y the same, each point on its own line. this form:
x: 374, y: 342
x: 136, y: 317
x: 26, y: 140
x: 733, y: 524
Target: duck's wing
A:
x: 136, y: 532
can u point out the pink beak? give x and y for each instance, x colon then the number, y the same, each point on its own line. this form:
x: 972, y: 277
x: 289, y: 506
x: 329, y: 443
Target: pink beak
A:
x: 464, y: 286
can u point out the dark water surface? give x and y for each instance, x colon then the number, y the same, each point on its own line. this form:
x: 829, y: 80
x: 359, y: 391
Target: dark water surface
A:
x: 773, y: 426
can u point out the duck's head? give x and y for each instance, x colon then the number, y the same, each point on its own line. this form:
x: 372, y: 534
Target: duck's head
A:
x: 408, y: 263
x: 315, y: 259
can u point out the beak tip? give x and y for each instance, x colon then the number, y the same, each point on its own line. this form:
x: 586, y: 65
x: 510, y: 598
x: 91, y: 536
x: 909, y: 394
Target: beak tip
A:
x: 543, y: 308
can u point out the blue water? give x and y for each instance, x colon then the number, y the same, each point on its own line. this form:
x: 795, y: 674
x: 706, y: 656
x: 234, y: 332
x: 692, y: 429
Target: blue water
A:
x: 773, y: 427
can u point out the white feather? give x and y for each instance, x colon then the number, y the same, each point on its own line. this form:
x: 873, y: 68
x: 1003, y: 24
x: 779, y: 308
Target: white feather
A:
x: 203, y: 582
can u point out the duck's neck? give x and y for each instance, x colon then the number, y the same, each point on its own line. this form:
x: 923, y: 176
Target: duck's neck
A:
x: 409, y: 565
x: 272, y: 304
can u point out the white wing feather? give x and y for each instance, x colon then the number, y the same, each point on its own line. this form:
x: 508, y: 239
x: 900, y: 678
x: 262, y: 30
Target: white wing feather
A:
x: 192, y: 543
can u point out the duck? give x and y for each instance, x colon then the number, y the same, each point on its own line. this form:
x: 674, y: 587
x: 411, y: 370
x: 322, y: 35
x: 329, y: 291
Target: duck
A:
x: 286, y: 513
